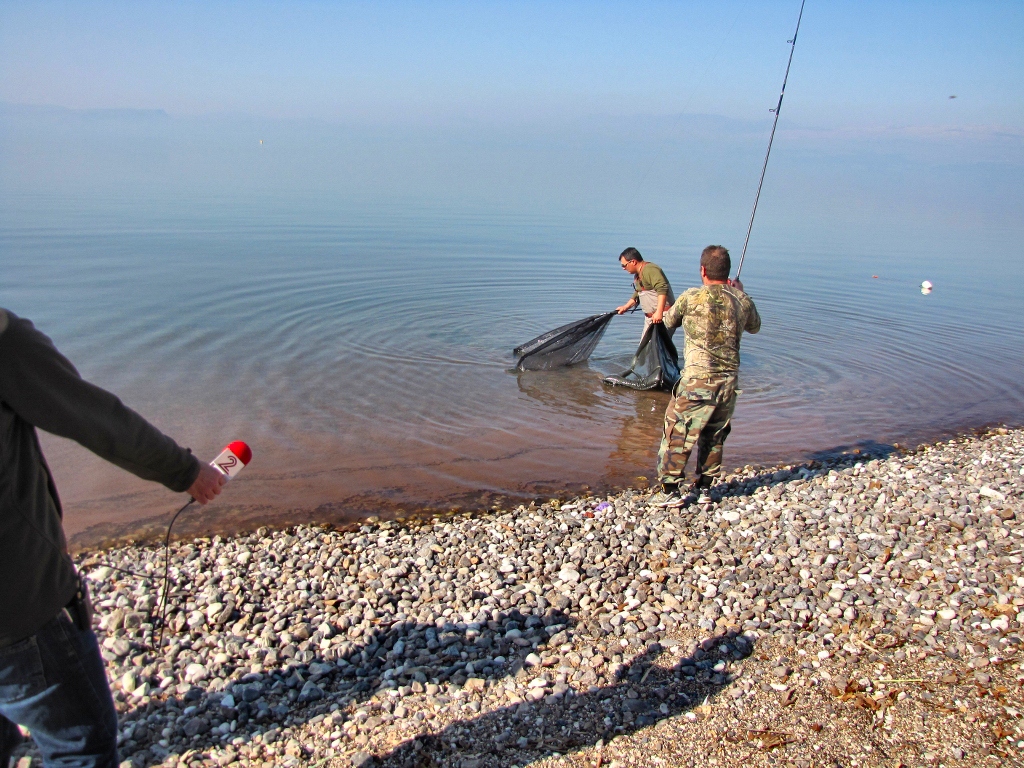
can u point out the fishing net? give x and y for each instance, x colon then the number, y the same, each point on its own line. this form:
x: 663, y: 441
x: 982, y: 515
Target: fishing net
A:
x: 655, y: 364
x: 563, y: 346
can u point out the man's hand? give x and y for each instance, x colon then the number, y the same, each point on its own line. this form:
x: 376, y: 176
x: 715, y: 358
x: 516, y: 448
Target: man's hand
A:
x: 736, y: 284
x: 207, y: 484
x: 624, y: 308
x: 656, y: 317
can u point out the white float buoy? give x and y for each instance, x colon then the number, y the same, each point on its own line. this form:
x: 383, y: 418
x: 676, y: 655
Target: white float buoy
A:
x: 926, y: 287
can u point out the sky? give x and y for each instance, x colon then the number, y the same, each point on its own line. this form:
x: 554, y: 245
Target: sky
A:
x: 859, y: 65
x: 617, y: 108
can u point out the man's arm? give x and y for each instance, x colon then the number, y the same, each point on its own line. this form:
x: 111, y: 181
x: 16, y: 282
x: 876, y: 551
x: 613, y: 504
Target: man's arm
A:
x: 753, y: 318
x: 627, y: 306
x: 43, y: 388
x: 676, y: 313
x: 653, y: 279
x: 659, y: 312
x: 753, y: 324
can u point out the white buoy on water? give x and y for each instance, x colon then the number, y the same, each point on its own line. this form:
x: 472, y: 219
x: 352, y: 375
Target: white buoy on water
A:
x: 926, y: 287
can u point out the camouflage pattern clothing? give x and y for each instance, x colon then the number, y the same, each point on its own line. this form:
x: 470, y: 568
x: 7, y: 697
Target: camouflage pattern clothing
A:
x: 704, y: 422
x: 700, y: 412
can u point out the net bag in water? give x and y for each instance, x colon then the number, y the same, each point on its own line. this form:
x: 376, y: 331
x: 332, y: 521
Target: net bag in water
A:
x: 655, y: 364
x: 563, y: 346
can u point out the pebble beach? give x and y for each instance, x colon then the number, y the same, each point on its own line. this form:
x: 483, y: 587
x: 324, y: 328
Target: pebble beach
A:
x: 864, y: 610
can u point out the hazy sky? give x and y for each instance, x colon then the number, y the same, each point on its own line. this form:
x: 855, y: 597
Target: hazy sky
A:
x: 858, y: 64
x: 623, y: 110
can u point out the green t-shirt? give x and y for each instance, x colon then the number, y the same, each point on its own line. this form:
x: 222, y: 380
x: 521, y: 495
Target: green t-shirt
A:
x: 651, y: 278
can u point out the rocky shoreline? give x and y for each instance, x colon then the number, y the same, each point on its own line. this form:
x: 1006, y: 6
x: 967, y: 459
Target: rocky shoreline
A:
x: 864, y: 610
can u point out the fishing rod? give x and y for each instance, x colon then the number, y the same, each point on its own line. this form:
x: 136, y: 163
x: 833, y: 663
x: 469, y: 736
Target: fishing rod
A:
x: 771, y: 138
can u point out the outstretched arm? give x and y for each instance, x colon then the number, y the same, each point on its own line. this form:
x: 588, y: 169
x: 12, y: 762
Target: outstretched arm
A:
x: 42, y: 386
x: 627, y: 306
x: 674, y: 316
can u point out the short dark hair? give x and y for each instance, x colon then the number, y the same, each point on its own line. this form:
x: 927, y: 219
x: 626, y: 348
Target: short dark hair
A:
x: 716, y: 262
x: 631, y: 254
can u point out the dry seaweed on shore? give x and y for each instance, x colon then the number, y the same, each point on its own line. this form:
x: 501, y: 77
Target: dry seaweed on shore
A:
x: 860, y: 611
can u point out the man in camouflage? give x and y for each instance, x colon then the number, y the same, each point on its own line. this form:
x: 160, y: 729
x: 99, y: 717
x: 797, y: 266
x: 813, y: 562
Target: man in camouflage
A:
x: 713, y: 317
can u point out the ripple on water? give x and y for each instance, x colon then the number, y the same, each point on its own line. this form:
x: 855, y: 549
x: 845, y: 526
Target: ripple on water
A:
x: 367, y: 362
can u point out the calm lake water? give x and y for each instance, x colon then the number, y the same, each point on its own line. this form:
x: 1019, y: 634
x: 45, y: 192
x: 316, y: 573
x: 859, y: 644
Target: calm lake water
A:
x: 364, y: 352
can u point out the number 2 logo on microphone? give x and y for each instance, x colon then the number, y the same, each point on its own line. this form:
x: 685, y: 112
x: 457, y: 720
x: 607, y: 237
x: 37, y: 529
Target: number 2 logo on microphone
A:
x: 227, y: 465
x: 232, y: 459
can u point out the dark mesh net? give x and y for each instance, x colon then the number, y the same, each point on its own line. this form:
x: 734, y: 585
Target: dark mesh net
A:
x: 567, y: 345
x: 655, y: 364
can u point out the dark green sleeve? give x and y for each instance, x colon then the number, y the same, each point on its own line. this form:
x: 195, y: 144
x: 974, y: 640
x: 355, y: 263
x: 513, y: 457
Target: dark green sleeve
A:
x: 44, y: 389
x: 654, y: 279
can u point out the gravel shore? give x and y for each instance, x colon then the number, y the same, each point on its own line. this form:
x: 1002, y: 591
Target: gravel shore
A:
x: 860, y: 611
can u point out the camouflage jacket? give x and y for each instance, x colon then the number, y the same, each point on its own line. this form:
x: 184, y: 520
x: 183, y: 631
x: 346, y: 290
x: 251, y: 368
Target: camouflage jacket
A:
x: 713, y: 318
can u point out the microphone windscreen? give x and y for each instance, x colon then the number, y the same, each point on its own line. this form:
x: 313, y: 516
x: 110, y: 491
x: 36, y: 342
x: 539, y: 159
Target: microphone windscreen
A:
x: 241, y: 450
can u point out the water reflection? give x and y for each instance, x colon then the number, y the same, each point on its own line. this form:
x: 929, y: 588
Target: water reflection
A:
x: 358, y: 406
x: 575, y: 391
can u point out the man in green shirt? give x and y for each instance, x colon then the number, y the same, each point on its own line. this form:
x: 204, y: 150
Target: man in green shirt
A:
x: 651, y: 288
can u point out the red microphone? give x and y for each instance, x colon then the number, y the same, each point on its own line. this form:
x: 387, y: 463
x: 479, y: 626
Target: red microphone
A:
x: 229, y: 463
x: 231, y: 460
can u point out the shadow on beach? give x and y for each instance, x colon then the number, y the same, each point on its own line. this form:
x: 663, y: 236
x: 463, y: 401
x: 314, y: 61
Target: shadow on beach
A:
x: 643, y: 694
x: 429, y: 664
x: 303, y: 688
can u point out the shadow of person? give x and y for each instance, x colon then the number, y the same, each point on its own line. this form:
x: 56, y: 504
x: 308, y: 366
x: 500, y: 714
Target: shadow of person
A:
x: 411, y: 658
x: 297, y: 684
x: 818, y: 463
x: 862, y: 450
x: 643, y: 693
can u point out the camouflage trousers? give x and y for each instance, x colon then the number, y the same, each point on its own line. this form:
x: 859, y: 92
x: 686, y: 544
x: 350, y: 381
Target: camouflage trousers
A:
x: 704, y: 423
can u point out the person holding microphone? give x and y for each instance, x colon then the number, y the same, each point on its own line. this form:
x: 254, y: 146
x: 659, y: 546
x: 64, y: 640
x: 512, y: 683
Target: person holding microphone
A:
x: 52, y: 678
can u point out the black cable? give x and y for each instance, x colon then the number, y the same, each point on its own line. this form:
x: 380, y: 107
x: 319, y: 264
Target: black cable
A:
x: 166, y: 580
x: 771, y: 138
x: 167, y: 565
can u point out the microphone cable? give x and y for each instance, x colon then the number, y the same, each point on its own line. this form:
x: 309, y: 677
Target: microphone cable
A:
x: 167, y: 567
x: 166, y: 577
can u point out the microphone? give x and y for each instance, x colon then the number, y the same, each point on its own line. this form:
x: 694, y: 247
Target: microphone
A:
x: 229, y: 463
x: 232, y: 459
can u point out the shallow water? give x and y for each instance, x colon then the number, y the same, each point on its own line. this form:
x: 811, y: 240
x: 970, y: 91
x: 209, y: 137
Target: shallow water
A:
x: 364, y: 353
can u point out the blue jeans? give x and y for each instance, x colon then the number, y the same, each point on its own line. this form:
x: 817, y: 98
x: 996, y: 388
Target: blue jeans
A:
x: 54, y: 684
